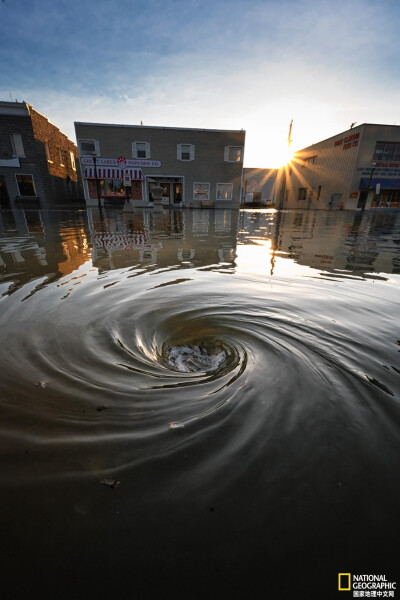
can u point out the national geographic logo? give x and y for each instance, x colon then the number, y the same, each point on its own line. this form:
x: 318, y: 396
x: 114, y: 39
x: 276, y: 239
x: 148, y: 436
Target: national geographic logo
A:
x: 344, y: 582
x: 366, y: 586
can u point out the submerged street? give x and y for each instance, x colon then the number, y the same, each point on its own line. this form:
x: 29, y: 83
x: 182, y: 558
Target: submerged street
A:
x: 203, y: 400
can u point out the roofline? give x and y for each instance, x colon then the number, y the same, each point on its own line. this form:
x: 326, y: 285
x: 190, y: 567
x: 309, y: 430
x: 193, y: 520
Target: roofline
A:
x: 344, y: 132
x: 28, y: 108
x: 159, y: 127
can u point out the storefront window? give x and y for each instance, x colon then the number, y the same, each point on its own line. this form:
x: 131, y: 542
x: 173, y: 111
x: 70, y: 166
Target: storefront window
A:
x: 112, y: 187
x: 201, y: 191
x: 224, y: 191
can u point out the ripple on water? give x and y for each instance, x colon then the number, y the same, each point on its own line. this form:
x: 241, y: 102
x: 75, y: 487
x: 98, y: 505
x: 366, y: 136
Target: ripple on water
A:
x: 245, y: 369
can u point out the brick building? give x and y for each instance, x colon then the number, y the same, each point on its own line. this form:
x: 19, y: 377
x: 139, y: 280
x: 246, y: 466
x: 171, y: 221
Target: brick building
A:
x: 195, y: 167
x: 37, y: 161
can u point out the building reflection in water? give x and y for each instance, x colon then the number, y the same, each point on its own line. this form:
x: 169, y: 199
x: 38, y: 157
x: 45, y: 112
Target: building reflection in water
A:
x: 41, y: 245
x: 170, y: 239
x: 335, y: 243
x: 49, y: 245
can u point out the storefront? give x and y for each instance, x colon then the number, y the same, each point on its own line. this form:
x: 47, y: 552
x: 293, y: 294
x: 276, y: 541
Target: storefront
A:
x: 172, y: 186
x: 194, y: 167
x: 111, y: 182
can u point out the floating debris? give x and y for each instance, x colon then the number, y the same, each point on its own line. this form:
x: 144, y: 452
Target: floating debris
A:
x: 101, y: 408
x: 176, y: 426
x: 111, y: 483
x: 42, y: 384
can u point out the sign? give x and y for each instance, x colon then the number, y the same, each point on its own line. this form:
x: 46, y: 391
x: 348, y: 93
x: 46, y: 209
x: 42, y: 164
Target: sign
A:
x: 113, y: 162
x: 348, y: 142
x: 378, y: 189
x: 121, y: 160
x: 127, y: 180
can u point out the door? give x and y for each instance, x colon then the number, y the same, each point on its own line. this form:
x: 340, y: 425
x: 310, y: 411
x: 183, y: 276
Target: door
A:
x: 177, y: 193
x: 166, y: 197
x: 4, y: 199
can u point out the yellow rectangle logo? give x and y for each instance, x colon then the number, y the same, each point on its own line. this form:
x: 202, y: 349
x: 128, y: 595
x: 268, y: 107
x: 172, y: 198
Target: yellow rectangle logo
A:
x: 343, y: 581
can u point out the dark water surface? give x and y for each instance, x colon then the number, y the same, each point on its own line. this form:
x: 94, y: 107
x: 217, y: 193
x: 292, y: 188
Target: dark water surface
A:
x: 199, y: 404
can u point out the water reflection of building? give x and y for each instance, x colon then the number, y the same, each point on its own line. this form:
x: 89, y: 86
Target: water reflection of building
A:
x: 359, y: 168
x: 193, y: 166
x: 36, y: 244
x: 195, y: 238
x: 356, y: 243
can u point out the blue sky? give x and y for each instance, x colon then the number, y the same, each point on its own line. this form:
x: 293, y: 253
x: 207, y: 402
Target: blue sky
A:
x: 224, y: 64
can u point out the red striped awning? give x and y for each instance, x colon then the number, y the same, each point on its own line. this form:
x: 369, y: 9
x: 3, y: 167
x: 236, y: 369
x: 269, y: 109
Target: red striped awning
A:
x: 110, y: 173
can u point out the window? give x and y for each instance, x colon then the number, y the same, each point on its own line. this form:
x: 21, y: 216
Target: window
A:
x: 311, y: 160
x: 47, y: 150
x: 17, y: 145
x: 201, y: 191
x: 185, y: 152
x: 233, y: 154
x: 224, y: 191
x: 72, y: 157
x: 89, y: 147
x: 302, y: 194
x: 387, y: 151
x: 26, y: 185
x: 60, y: 156
x: 141, y: 150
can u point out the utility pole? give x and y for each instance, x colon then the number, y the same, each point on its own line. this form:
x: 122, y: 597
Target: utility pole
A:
x: 284, y: 181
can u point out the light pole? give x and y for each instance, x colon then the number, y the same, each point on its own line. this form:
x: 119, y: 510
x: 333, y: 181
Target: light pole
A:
x: 97, y: 180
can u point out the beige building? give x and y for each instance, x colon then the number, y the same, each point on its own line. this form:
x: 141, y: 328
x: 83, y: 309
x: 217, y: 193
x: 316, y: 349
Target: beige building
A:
x: 356, y: 169
x: 195, y: 167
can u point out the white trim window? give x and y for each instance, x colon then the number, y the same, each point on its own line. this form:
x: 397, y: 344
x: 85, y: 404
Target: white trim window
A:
x: 185, y: 152
x: 17, y: 145
x: 233, y: 154
x: 61, y: 157
x: 140, y: 150
x: 224, y: 191
x: 26, y: 184
x: 89, y: 147
x: 72, y: 157
x: 201, y: 191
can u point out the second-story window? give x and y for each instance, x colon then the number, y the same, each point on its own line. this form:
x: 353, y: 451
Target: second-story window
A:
x: 233, y: 154
x: 61, y: 158
x: 17, y: 145
x: 185, y: 152
x: 72, y: 156
x: 141, y: 150
x: 89, y: 147
x: 47, y: 150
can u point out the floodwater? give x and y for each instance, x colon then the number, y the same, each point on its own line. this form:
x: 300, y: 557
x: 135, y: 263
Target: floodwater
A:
x: 198, y: 404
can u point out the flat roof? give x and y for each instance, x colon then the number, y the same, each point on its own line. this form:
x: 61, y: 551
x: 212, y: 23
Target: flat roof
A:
x: 346, y: 131
x: 159, y: 127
